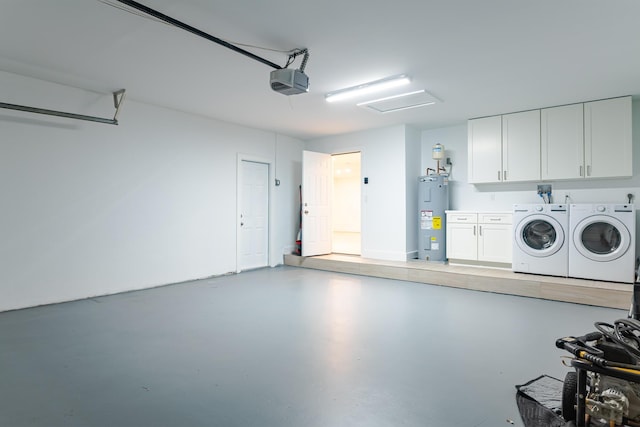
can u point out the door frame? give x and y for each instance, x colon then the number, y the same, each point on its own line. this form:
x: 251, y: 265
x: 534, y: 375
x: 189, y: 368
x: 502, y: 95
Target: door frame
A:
x: 256, y: 159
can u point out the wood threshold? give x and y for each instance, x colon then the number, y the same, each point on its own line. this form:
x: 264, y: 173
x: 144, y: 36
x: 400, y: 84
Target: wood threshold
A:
x: 486, y: 279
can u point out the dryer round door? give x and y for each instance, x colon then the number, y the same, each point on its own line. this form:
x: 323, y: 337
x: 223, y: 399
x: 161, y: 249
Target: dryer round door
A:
x: 601, y: 238
x: 539, y: 235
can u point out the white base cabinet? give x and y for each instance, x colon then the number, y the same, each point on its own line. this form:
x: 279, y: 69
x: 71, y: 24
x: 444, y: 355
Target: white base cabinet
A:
x: 462, y: 235
x: 479, y: 237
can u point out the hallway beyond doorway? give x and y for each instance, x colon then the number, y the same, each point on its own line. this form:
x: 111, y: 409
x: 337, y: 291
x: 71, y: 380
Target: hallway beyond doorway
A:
x: 347, y: 204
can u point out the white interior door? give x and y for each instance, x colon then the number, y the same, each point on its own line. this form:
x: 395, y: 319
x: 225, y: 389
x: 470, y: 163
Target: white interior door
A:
x: 254, y: 215
x: 316, y: 203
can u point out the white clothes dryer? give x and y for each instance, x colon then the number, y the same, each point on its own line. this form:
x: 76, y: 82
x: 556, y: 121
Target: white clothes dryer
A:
x: 540, y: 239
x: 602, y: 242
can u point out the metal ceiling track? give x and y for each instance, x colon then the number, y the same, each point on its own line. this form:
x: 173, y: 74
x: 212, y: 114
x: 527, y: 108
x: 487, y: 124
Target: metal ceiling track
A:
x: 118, y: 97
x: 197, y: 32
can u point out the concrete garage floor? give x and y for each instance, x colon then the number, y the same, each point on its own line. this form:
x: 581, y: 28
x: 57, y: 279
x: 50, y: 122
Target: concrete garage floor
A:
x: 282, y: 347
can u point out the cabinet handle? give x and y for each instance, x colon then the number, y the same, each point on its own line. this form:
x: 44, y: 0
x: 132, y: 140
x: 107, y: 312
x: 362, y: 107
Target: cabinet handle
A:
x: 588, y: 170
x: 498, y: 175
x: 580, y: 170
x: 474, y: 230
x: 504, y: 175
x: 480, y: 230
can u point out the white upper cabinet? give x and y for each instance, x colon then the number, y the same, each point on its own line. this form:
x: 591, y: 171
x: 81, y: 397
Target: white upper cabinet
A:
x: 578, y: 141
x: 485, y: 149
x: 607, y: 138
x: 521, y: 146
x: 562, y: 142
x: 504, y: 148
x: 590, y: 140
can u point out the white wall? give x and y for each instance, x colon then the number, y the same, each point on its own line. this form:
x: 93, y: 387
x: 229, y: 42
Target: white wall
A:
x: 384, y: 198
x: 91, y: 209
x: 464, y: 196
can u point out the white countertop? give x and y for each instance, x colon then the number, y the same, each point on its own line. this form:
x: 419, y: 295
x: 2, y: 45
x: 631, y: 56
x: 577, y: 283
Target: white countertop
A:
x: 479, y: 212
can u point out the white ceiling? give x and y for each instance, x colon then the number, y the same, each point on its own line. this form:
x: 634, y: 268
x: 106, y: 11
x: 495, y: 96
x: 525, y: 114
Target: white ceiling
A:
x: 479, y: 57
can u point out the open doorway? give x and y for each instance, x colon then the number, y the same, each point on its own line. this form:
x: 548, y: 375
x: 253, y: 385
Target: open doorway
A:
x: 346, y: 206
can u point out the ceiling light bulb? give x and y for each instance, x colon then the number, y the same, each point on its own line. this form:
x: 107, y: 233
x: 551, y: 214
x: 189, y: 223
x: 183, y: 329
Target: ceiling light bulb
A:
x: 366, y: 88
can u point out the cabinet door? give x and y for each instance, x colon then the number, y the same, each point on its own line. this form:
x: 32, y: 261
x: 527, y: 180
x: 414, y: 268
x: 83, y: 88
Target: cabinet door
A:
x: 494, y: 243
x: 521, y: 146
x: 462, y: 241
x: 485, y: 149
x: 607, y: 137
x: 562, y: 141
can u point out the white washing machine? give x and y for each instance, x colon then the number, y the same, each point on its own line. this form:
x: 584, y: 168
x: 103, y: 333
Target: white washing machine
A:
x: 540, y: 243
x: 602, y: 242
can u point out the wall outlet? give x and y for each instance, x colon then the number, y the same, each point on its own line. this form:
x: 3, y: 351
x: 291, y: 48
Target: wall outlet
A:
x: 544, y: 188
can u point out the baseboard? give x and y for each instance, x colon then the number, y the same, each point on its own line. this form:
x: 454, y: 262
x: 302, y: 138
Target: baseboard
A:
x: 486, y: 264
x: 411, y: 255
x: 385, y: 255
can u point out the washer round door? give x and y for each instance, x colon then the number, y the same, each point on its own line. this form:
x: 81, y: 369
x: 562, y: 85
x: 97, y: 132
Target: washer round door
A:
x: 601, y: 238
x: 539, y: 235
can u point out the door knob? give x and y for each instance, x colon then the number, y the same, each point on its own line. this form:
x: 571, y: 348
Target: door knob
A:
x: 306, y: 212
x: 241, y: 224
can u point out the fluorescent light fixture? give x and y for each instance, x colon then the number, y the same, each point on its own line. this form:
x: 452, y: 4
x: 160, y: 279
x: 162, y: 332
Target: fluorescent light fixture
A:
x: 366, y: 88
